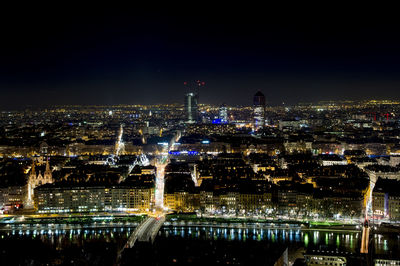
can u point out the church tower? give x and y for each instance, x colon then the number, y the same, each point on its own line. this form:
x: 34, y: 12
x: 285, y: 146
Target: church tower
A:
x: 32, y: 174
x: 48, y: 178
x: 37, y: 180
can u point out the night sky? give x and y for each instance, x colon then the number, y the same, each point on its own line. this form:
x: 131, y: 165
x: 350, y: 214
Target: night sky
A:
x: 140, y: 57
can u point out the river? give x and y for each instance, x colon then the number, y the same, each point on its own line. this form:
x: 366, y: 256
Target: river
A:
x: 89, y: 245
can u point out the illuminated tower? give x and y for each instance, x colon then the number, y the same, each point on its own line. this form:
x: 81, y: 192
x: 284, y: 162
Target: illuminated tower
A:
x: 259, y: 110
x: 47, y: 177
x: 192, y: 100
x: 191, y: 110
x: 223, y: 113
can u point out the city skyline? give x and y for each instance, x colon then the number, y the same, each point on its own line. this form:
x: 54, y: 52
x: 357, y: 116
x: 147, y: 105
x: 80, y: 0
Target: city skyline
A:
x: 199, y: 135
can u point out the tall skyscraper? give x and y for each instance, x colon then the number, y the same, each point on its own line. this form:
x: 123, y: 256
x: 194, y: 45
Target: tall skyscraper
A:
x: 223, y: 113
x: 259, y: 110
x: 191, y: 109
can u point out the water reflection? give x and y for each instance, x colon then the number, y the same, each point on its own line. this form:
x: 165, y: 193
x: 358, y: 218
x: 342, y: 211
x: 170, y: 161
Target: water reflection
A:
x: 387, y: 244
x: 345, y: 241
x: 60, y: 239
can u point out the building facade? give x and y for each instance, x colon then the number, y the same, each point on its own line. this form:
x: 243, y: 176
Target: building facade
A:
x: 36, y: 180
x: 70, y: 199
x: 223, y: 114
x: 258, y: 111
x: 191, y: 108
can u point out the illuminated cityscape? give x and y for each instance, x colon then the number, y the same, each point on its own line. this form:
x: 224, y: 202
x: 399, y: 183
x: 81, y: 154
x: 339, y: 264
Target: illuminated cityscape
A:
x: 301, y: 173
x: 109, y: 156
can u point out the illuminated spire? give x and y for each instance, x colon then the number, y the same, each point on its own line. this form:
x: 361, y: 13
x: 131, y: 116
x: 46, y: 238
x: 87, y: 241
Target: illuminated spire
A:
x: 33, y: 170
x: 47, y: 172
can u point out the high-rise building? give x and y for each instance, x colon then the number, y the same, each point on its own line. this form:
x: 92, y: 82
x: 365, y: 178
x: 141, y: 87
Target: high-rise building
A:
x: 223, y: 113
x: 191, y: 110
x: 259, y: 110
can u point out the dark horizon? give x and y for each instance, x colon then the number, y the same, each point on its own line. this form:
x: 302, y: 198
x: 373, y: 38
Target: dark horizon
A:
x: 113, y: 57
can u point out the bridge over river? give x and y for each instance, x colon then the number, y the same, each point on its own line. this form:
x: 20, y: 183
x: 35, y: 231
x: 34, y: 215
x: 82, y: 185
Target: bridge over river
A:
x: 146, y: 231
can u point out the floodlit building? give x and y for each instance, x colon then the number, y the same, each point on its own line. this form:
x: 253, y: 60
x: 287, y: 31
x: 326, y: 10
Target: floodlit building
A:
x: 36, y: 180
x: 258, y: 111
x: 191, y: 109
x: 223, y: 113
x: 70, y: 199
